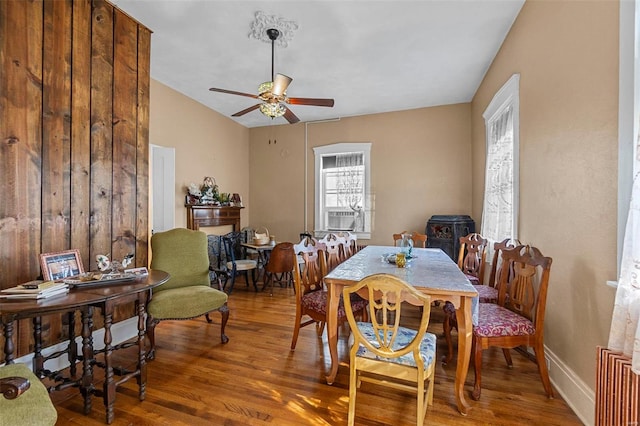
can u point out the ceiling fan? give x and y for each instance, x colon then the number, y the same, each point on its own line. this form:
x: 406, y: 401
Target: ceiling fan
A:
x: 273, y: 93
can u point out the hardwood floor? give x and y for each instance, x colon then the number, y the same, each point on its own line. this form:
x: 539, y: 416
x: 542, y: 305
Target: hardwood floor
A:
x: 256, y: 380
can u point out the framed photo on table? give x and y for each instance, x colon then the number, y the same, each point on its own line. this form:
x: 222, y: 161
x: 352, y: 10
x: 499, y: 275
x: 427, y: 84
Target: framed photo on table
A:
x: 63, y: 264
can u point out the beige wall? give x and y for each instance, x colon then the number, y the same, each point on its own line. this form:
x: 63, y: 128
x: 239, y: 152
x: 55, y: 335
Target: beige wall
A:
x: 420, y: 161
x: 207, y: 144
x: 567, y: 56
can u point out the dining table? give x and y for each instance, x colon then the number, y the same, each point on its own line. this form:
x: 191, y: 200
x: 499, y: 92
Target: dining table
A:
x: 429, y: 270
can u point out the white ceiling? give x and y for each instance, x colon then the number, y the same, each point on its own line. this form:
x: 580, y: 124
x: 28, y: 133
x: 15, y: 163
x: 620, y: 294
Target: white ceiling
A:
x: 370, y: 56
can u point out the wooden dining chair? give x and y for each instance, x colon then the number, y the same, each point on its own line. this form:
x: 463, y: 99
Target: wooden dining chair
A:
x: 382, y: 351
x: 419, y: 240
x: 311, y: 295
x: 518, y: 317
x: 279, y: 267
x: 471, y: 261
x: 333, y: 251
x: 350, y: 241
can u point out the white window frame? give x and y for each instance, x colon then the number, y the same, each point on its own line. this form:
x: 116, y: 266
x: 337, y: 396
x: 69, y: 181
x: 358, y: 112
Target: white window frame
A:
x: 320, y: 228
x: 507, y: 96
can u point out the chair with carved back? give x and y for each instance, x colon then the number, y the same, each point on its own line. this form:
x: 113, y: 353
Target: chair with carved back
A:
x: 419, y: 240
x: 382, y: 351
x: 189, y: 292
x: 518, y: 317
x: 24, y: 400
x: 333, y: 251
x: 471, y: 261
x: 279, y: 268
x: 350, y: 241
x: 488, y: 291
x: 311, y: 295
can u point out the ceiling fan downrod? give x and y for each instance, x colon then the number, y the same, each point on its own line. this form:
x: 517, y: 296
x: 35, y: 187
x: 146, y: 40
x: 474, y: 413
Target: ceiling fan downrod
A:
x: 273, y: 36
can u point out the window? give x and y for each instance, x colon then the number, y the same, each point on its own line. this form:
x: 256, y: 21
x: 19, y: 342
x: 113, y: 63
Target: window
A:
x: 500, y: 209
x: 342, y: 202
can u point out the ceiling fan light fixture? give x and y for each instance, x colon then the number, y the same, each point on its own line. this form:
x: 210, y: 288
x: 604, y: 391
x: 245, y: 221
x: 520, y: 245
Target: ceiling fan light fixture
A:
x: 265, y: 87
x: 273, y: 110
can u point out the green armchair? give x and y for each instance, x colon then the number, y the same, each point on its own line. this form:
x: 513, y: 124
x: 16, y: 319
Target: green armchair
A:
x: 24, y: 400
x: 188, y: 292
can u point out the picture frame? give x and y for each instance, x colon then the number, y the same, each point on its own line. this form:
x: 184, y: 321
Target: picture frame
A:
x: 60, y: 265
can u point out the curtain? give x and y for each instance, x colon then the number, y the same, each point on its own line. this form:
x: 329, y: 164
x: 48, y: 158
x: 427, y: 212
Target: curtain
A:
x: 497, y: 212
x: 350, y: 179
x: 624, y: 335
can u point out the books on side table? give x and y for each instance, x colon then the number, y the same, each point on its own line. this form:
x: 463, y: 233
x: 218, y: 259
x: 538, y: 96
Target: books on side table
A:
x: 35, y: 290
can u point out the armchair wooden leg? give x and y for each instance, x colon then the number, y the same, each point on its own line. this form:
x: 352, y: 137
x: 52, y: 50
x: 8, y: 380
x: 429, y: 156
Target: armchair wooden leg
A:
x: 151, y: 335
x: 224, y: 311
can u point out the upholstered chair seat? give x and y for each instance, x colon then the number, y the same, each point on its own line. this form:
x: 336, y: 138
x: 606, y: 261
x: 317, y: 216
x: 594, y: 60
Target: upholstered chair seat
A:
x: 33, y: 407
x: 317, y: 301
x: 194, y: 302
x: 243, y: 265
x: 495, y: 320
x: 403, y: 338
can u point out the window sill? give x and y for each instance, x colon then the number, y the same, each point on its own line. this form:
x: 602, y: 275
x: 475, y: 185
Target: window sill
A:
x: 361, y: 235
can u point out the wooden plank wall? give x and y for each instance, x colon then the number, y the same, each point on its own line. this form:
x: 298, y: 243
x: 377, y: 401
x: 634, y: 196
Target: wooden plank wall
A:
x: 74, y: 127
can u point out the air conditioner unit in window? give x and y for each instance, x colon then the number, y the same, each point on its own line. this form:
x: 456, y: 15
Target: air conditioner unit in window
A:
x: 341, y: 220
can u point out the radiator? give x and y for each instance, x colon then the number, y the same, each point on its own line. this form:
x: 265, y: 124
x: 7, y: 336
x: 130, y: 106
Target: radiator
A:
x: 617, y: 390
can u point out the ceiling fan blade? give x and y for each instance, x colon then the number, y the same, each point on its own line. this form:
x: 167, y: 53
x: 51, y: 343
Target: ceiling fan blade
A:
x: 244, y: 111
x: 290, y: 116
x: 311, y: 101
x: 280, y: 84
x: 233, y: 92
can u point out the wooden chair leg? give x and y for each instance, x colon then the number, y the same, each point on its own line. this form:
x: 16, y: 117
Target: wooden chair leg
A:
x: 446, y: 328
x: 151, y: 335
x: 507, y: 357
x: 296, y: 331
x: 542, y: 369
x: 476, y: 350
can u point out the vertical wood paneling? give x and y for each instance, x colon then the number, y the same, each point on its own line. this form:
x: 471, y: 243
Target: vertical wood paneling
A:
x: 20, y: 139
x: 101, y: 129
x: 56, y: 129
x: 80, y: 128
x: 125, y: 71
x: 142, y: 143
x: 21, y: 146
x: 125, y: 76
x: 56, y: 143
x: 74, y: 112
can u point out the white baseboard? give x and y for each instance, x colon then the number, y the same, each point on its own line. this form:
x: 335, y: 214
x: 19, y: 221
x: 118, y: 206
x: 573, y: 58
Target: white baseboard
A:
x: 577, y: 394
x: 120, y: 332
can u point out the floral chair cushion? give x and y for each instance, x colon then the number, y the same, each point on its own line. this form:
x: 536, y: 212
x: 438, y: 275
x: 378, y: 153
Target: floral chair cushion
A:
x: 473, y: 279
x: 405, y: 335
x: 317, y: 301
x: 486, y: 294
x: 494, y: 320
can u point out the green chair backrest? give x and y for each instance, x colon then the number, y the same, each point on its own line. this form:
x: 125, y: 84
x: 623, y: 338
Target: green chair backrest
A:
x: 183, y: 254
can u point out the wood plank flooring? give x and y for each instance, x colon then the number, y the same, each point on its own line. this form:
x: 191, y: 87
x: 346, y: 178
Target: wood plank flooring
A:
x: 256, y: 380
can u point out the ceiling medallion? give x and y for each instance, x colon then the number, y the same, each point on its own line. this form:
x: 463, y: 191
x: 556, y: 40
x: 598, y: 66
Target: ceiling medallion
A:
x: 263, y: 22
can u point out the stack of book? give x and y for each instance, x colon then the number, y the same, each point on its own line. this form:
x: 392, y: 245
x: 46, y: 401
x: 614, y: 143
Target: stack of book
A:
x: 35, y: 290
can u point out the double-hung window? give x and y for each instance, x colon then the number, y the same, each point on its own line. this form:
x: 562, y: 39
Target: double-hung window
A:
x: 342, y: 202
x: 500, y: 208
